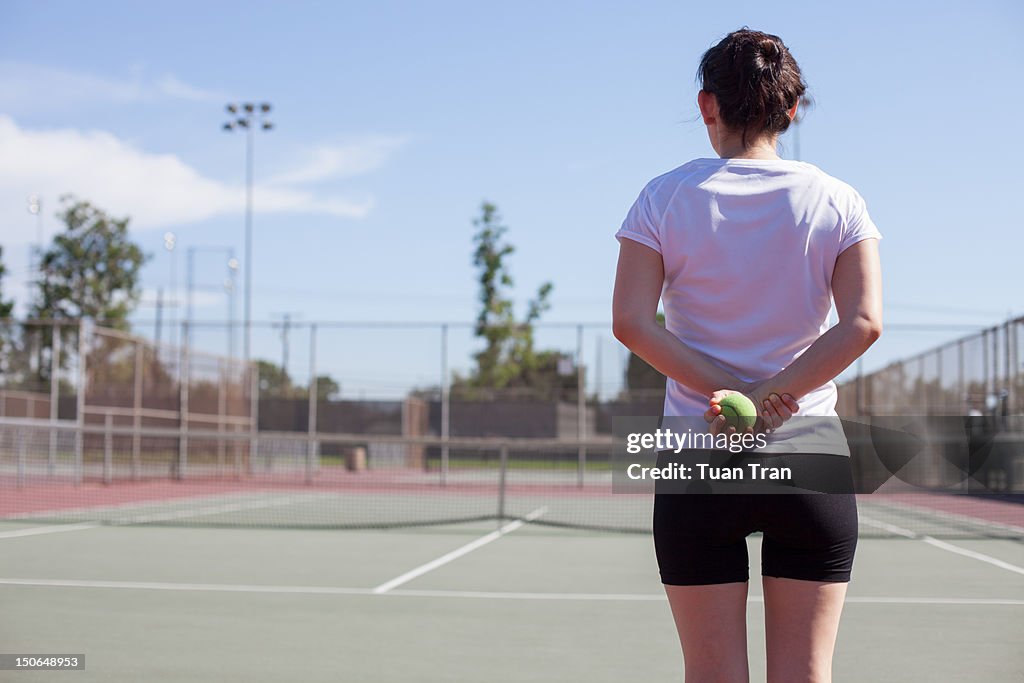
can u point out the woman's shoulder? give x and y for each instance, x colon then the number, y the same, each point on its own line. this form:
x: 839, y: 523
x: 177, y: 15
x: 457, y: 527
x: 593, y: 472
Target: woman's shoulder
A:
x: 667, y: 184
x: 696, y: 172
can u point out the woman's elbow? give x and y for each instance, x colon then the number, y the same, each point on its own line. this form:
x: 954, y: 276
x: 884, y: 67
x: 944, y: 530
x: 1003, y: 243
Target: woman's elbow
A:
x: 625, y: 330
x: 622, y: 330
x: 870, y: 329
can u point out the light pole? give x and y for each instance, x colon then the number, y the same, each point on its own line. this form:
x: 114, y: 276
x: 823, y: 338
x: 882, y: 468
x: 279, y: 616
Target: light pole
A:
x: 249, y: 117
x: 35, y: 207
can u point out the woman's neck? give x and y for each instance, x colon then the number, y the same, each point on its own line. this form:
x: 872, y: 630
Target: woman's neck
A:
x: 732, y: 149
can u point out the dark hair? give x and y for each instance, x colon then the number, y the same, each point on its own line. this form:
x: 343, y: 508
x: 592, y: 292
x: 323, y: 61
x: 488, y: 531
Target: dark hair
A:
x: 755, y: 79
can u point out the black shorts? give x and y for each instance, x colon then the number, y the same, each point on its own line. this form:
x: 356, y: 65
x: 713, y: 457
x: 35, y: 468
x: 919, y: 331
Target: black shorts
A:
x: 700, y: 538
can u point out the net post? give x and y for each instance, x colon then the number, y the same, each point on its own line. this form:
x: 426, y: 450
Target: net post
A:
x: 581, y: 409
x: 108, y: 448
x: 311, y: 445
x: 55, y: 352
x: 80, y: 399
x: 502, y: 473
x: 445, y: 405
x: 137, y: 412
x: 183, y: 382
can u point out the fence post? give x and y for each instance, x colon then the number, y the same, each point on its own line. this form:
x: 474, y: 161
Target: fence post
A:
x: 502, y: 471
x: 236, y: 445
x: 55, y: 351
x: 960, y: 387
x: 311, y: 445
x: 80, y: 400
x: 183, y: 382
x: 108, y: 449
x: 254, y: 412
x: 581, y: 409
x: 1008, y: 401
x: 222, y: 410
x: 445, y: 405
x: 137, y: 390
x: 20, y: 436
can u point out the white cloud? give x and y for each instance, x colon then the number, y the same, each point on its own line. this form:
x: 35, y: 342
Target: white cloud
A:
x: 31, y: 87
x: 341, y: 161
x: 155, y: 190
x: 172, y: 87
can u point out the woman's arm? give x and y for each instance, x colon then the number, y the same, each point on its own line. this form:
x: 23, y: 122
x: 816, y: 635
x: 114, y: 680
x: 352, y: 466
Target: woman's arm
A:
x: 857, y: 290
x: 638, y: 282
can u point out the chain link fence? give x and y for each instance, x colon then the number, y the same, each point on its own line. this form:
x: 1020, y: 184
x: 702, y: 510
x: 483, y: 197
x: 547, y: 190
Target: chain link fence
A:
x: 977, y: 375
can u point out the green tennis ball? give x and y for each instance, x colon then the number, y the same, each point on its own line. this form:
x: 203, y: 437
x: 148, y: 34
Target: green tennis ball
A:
x: 739, y: 411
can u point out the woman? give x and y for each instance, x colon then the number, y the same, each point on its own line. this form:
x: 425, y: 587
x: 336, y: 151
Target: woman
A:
x: 747, y: 252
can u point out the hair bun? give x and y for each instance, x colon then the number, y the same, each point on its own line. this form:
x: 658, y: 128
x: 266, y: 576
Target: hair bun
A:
x: 770, y: 50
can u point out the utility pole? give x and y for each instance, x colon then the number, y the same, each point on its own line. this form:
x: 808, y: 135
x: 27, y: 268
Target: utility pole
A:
x: 286, y: 327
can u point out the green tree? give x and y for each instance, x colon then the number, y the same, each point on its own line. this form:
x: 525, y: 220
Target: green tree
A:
x: 641, y: 378
x: 277, y: 383
x: 91, y: 270
x: 509, y: 360
x: 274, y: 380
x: 7, y: 341
x: 327, y: 388
x: 6, y: 305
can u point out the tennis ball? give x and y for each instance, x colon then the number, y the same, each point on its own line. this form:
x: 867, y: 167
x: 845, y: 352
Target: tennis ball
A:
x: 739, y: 411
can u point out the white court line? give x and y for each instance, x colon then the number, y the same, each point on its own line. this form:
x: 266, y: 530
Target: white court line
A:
x: 448, y: 594
x: 211, y: 510
x: 246, y: 504
x: 891, y: 528
x: 169, y: 586
x: 458, y: 552
x: 135, y: 504
x: 951, y: 516
x: 996, y: 562
x: 949, y: 547
x: 37, y: 530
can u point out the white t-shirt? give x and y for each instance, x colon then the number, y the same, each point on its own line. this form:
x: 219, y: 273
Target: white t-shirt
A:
x: 749, y: 246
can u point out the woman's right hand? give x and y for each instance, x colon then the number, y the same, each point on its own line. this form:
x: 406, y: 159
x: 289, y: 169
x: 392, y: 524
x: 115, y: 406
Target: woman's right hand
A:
x: 773, y: 409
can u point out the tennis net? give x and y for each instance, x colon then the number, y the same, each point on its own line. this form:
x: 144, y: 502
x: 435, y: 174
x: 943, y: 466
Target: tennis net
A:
x: 59, y: 472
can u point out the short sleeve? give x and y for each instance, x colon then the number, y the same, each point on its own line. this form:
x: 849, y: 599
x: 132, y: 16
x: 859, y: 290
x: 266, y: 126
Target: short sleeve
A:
x: 640, y: 224
x: 858, y: 225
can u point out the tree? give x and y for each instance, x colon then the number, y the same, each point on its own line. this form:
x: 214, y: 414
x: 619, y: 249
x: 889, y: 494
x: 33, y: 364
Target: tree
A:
x: 327, y: 388
x: 508, y: 360
x: 7, y: 341
x: 274, y: 380
x: 277, y: 383
x: 91, y: 270
x: 641, y: 378
x: 6, y: 305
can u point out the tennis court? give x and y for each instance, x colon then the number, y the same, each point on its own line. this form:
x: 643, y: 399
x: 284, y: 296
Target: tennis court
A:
x: 498, y: 573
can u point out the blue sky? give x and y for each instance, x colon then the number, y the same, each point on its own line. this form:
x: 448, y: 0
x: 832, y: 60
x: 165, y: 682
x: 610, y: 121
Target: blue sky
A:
x: 395, y: 120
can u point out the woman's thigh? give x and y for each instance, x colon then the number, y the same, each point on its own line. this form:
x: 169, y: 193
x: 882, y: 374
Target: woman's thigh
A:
x: 801, y: 625
x: 712, y: 624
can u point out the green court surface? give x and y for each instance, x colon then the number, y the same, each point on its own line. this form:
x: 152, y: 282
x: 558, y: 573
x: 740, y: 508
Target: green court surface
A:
x: 459, y: 603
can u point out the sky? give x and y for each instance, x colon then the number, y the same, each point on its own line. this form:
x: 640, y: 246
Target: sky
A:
x: 393, y: 121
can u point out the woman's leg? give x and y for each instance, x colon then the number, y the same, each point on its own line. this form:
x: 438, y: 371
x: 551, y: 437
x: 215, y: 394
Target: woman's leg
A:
x: 712, y: 625
x: 801, y: 620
